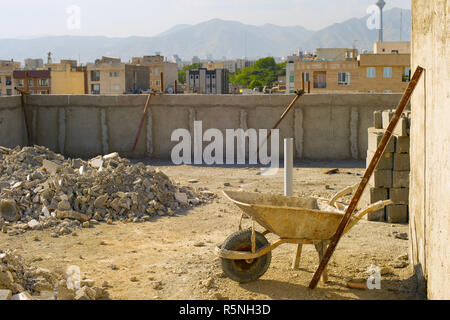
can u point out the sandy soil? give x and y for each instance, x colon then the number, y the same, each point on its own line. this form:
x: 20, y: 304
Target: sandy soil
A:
x: 173, y: 257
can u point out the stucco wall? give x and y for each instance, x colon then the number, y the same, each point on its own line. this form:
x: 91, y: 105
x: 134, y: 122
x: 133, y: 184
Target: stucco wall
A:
x: 326, y: 127
x: 430, y: 148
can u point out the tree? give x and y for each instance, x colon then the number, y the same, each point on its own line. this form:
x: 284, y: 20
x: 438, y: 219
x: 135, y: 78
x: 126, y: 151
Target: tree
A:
x: 263, y: 73
x: 182, y: 73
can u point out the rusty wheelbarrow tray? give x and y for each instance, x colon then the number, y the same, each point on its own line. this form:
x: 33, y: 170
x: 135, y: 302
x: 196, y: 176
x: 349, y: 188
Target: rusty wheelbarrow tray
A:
x: 295, y: 220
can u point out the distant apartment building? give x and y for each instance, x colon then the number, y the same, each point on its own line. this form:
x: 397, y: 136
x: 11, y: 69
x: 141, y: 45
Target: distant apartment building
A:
x: 336, y: 54
x: 68, y: 78
x: 327, y: 76
x: 384, y: 73
x: 230, y: 65
x: 158, y: 66
x: 290, y: 72
x: 213, y: 65
x: 33, y: 81
x: 244, y: 63
x: 340, y: 70
x: 111, y: 76
x: 389, y: 47
x: 206, y: 81
x: 7, y: 68
x: 195, y: 59
x: 34, y: 64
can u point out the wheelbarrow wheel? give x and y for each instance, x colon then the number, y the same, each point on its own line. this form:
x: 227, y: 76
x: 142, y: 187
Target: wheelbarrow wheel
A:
x: 244, y: 271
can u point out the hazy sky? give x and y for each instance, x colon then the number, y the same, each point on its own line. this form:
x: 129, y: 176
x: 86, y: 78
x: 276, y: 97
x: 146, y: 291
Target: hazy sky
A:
x: 150, y: 17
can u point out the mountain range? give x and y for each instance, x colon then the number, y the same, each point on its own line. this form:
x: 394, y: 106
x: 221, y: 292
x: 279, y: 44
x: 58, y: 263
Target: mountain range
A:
x: 217, y: 38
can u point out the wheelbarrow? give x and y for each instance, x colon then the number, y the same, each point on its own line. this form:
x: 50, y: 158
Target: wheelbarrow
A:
x: 246, y: 254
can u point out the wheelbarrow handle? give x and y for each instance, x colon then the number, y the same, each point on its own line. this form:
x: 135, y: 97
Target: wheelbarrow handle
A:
x: 374, y: 207
x: 342, y: 193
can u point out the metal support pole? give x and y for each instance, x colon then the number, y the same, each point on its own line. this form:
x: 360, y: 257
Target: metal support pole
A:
x: 288, y: 166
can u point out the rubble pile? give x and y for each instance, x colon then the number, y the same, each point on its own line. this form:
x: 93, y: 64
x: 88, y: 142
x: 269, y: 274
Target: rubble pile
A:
x: 20, y: 281
x: 40, y: 189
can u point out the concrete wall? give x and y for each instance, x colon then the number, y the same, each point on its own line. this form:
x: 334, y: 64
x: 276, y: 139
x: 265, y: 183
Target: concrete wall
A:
x: 326, y: 127
x: 430, y: 148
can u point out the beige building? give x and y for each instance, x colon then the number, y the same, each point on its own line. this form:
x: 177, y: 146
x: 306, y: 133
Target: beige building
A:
x: 327, y: 76
x: 157, y: 65
x: 7, y: 68
x: 68, y: 78
x: 384, y: 73
x: 370, y: 73
x: 336, y: 54
x: 34, y: 64
x: 111, y: 76
x: 387, y: 47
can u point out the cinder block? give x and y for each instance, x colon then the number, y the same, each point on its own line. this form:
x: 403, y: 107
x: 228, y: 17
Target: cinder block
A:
x: 379, y: 216
x: 399, y: 195
x: 402, y: 162
x: 375, y: 137
x: 402, y: 144
x: 400, y: 179
x: 386, y: 162
x: 381, y: 179
x: 377, y: 120
x: 397, y: 214
x: 387, y: 116
x: 401, y: 130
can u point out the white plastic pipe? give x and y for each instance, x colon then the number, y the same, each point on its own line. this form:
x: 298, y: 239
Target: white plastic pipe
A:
x: 288, y: 166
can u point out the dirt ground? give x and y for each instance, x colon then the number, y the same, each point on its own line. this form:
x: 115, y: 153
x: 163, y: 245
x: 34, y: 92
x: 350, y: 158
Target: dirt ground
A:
x: 173, y: 257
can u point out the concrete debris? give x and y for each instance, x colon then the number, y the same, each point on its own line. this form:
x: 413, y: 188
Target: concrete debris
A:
x: 40, y: 189
x: 21, y: 281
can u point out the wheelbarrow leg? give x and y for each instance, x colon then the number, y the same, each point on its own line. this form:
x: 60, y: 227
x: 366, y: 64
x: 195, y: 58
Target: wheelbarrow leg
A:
x: 296, y: 261
x: 321, y: 247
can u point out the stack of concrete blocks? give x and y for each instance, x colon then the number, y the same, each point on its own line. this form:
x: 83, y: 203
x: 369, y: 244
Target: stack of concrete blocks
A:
x: 391, y: 178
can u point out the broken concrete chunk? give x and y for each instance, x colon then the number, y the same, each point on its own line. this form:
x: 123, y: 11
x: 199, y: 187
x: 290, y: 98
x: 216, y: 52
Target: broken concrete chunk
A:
x: 22, y: 296
x: 9, y: 210
x: 50, y: 167
x: 182, y: 198
x: 5, y: 295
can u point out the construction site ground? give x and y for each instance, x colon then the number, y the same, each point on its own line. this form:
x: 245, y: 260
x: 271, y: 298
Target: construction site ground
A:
x: 173, y: 257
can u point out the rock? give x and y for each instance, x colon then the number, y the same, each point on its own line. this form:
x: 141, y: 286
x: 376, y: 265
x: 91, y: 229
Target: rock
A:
x: 5, y: 294
x: 82, y: 294
x: 227, y: 184
x: 33, y: 224
x: 399, y: 264
x: 54, y: 235
x: 86, y: 224
x: 157, y: 285
x: 134, y: 279
x: 65, y: 293
x: 87, y: 283
x: 73, y: 215
x: 6, y: 280
x: 385, y: 271
x: 403, y: 257
x: 64, y: 205
x: 111, y: 156
x: 182, y: 198
x: 100, y: 202
x: 50, y: 167
x: 22, y: 296
x: 9, y: 210
x: 193, y: 181
x: 402, y: 236
x: 199, y: 244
